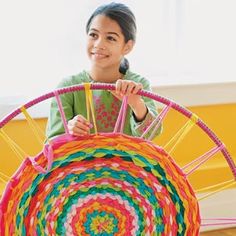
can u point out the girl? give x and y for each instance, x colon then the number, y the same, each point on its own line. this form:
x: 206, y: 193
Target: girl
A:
x: 111, y: 32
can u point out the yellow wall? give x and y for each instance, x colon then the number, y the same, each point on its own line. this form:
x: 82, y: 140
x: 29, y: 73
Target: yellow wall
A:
x: 220, y: 118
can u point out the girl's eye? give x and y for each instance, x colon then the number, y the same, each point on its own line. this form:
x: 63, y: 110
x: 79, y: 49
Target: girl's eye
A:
x: 111, y: 38
x: 92, y: 35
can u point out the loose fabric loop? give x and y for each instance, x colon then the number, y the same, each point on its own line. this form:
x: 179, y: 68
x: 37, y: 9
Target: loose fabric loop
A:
x: 34, y: 126
x: 156, y: 122
x: 90, y: 105
x: 48, y: 153
x: 62, y: 113
x: 119, y: 126
x: 180, y: 135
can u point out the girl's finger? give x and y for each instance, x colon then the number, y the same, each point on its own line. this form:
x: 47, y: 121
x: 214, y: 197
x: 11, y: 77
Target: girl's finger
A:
x: 124, y: 87
x: 78, y: 125
x: 137, y: 88
x: 130, y: 88
x: 82, y: 126
x: 81, y: 119
x: 118, y: 86
x: 77, y: 131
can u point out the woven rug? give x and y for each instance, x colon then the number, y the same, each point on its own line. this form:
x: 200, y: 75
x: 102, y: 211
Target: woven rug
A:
x: 103, y: 185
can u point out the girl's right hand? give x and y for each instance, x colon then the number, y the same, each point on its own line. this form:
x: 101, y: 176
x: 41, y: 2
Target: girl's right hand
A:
x: 79, y: 126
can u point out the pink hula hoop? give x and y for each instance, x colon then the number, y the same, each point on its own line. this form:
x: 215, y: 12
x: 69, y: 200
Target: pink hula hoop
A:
x: 158, y: 98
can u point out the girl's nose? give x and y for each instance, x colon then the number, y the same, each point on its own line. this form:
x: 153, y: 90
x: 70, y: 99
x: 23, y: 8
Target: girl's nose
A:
x: 99, y: 44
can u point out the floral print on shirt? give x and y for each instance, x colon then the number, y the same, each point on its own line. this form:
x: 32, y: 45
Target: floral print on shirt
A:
x: 106, y: 116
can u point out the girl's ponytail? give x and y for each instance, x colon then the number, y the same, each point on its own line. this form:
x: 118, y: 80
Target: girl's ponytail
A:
x: 124, y: 66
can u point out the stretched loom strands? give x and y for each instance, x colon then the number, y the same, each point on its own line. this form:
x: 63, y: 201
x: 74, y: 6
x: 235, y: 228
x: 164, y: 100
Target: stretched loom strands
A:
x: 156, y: 122
x: 119, y: 126
x: 218, y: 221
x: 61, y: 112
x: 38, y: 132
x: 214, y: 186
x: 13, y: 145
x: 180, y: 135
x: 202, y: 159
x: 216, y: 191
x: 4, y: 178
x: 90, y: 105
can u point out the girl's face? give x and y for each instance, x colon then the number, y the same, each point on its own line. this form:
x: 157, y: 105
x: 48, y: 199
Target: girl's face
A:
x: 106, y: 44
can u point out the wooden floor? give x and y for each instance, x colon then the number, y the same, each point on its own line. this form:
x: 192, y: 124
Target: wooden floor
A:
x: 225, y: 232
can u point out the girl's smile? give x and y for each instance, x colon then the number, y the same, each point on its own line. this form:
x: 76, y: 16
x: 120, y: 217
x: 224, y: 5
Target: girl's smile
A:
x: 97, y: 55
x: 106, y: 43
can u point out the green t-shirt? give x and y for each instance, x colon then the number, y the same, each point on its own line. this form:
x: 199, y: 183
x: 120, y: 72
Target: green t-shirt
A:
x: 106, y: 107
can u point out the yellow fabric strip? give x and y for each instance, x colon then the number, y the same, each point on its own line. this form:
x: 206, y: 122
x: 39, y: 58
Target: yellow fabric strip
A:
x: 92, y: 111
x: 179, y: 136
x: 86, y: 89
x: 90, y: 105
x: 217, y: 191
x: 15, y: 148
x: 38, y: 132
x: 214, y: 186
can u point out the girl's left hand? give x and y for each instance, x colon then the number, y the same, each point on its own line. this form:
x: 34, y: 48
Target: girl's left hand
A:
x: 130, y: 89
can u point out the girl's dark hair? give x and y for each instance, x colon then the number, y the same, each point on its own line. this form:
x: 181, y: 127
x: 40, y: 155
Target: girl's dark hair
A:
x: 124, y: 18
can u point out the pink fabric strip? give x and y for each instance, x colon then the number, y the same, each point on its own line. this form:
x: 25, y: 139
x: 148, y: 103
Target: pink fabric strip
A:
x: 63, y: 117
x: 205, y: 157
x: 219, y: 219
x: 198, y: 159
x: 121, y: 117
x: 124, y: 108
x: 212, y: 224
x: 160, y: 118
x: 48, y: 153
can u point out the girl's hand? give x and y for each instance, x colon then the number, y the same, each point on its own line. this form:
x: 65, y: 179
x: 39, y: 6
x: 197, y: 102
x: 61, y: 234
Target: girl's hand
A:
x: 127, y: 87
x: 130, y: 89
x: 79, y: 126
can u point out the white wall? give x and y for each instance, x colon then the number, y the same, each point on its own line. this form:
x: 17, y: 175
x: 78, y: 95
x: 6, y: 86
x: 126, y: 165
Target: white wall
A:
x: 178, y: 42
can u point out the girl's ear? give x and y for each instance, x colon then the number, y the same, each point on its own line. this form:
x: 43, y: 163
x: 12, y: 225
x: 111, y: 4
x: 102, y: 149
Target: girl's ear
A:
x: 128, y: 46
